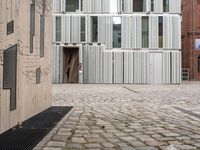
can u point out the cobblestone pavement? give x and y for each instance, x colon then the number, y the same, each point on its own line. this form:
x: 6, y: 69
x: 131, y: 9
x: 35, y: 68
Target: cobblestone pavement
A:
x: 127, y: 117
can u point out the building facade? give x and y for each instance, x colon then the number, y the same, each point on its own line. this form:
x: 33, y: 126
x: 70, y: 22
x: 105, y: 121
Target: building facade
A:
x: 191, y: 38
x: 25, y: 60
x: 117, y: 41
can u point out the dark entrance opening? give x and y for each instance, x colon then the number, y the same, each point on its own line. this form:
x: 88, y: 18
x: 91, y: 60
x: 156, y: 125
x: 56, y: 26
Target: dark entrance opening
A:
x: 70, y: 64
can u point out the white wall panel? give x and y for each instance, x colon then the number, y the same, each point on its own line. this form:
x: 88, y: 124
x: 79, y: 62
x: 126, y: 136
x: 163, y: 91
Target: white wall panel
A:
x: 153, y: 32
x: 158, y: 6
x: 126, y: 32
x: 57, y: 64
x: 136, y: 32
x: 54, y: 28
x: 175, y: 6
x: 109, y: 31
x: 156, y: 68
x: 66, y: 28
x: 57, y: 5
x: 118, y: 67
x: 75, y: 29
x: 166, y: 67
x: 176, y: 67
x: 108, y: 67
x: 128, y: 67
x: 171, y: 32
x: 128, y: 6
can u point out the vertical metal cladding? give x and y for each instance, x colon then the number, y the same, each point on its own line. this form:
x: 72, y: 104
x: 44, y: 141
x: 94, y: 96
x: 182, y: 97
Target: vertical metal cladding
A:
x: 130, y: 62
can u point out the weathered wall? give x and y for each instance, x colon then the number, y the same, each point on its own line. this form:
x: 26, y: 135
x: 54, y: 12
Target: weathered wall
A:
x: 190, y: 22
x: 31, y: 98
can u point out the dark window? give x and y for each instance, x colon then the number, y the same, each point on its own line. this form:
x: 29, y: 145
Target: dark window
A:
x: 10, y: 27
x: 83, y: 29
x: 199, y: 64
x: 72, y: 5
x: 32, y: 25
x: 145, y: 32
x: 9, y: 73
x: 42, y: 28
x: 38, y: 76
x: 160, y: 31
x: 58, y: 28
x: 94, y: 28
x: 139, y: 5
x: 117, y: 32
x: 165, y: 5
x: 152, y: 5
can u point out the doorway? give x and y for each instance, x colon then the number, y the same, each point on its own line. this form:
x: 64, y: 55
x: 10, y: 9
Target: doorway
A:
x: 70, y: 64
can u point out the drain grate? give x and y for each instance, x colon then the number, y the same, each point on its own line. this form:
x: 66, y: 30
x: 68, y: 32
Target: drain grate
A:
x: 33, y: 130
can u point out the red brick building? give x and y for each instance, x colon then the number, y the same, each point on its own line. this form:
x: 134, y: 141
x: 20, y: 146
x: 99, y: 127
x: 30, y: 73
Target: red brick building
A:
x: 191, y: 37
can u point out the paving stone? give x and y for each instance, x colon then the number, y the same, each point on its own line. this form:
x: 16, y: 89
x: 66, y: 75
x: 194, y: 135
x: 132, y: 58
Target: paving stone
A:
x: 108, y: 145
x: 111, y: 114
x: 78, y: 140
x: 93, y: 145
x: 56, y: 144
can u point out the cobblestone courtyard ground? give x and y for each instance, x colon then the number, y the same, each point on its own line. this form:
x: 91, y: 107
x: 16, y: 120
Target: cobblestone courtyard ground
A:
x: 127, y: 117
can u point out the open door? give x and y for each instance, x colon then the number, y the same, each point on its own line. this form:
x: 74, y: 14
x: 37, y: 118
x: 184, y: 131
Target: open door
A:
x: 70, y: 64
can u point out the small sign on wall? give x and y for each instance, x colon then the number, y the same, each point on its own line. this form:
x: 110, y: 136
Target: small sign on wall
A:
x: 197, y: 44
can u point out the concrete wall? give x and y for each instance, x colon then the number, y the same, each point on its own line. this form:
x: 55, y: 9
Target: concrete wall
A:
x: 31, y: 98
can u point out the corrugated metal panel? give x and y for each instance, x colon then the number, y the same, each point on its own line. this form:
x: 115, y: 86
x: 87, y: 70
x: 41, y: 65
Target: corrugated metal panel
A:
x: 175, y: 6
x: 57, y: 64
x: 107, y: 67
x: 75, y: 29
x: 66, y: 28
x: 176, y: 67
x: 166, y: 67
x: 54, y: 28
x: 128, y: 6
x: 172, y: 32
x: 153, y: 32
x: 137, y: 67
x: 118, y: 67
x: 136, y: 32
x: 128, y: 67
x: 158, y: 6
x: 126, y: 32
x: 57, y: 5
x: 105, y: 6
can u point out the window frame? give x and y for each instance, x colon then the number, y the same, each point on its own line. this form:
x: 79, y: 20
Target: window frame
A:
x: 11, y: 26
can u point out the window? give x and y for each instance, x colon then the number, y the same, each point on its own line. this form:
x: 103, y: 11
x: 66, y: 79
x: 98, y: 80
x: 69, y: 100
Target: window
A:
x: 139, y: 5
x: 160, y: 21
x: 165, y: 5
x: 82, y: 29
x: 117, y: 32
x: 38, y: 76
x: 145, y: 32
x: 58, y: 28
x: 42, y: 28
x: 199, y: 64
x: 32, y: 25
x: 10, y: 27
x: 72, y: 5
x: 10, y: 73
x: 152, y: 5
x: 94, y: 28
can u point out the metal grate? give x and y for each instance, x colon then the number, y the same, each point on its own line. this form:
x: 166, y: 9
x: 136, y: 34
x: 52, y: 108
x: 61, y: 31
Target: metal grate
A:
x: 33, y: 130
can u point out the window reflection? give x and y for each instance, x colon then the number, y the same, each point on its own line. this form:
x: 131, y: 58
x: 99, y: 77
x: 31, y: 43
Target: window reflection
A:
x: 116, y: 32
